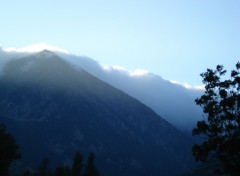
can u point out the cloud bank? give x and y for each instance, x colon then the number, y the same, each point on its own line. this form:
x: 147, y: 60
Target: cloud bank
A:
x: 137, y: 72
x: 188, y: 86
x: 36, y: 48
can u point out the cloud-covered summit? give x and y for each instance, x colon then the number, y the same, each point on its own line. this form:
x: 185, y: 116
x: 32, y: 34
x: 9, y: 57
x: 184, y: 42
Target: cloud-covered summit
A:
x: 36, y: 48
x: 171, y: 100
x: 44, y: 46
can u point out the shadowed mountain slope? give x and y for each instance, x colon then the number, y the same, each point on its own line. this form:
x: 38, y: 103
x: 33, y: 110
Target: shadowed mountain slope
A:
x: 54, y: 109
x: 160, y: 95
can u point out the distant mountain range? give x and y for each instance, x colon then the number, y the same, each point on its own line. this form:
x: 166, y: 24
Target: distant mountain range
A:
x: 54, y: 107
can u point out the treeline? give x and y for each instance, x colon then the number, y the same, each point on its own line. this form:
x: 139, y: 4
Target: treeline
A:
x: 76, y: 169
x: 9, y: 152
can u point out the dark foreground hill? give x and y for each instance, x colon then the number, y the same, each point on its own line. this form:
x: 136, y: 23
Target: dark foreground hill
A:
x: 54, y: 109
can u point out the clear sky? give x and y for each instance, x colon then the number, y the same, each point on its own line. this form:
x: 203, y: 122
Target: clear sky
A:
x: 176, y: 39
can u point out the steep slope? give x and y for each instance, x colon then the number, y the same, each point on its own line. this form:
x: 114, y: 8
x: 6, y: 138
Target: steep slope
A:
x: 171, y: 101
x: 161, y: 95
x: 54, y: 109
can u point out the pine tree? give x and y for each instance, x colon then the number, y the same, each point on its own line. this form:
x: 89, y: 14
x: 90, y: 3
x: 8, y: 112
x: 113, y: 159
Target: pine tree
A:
x: 90, y: 169
x: 62, y: 171
x: 77, y: 164
x: 42, y: 168
x: 8, y: 151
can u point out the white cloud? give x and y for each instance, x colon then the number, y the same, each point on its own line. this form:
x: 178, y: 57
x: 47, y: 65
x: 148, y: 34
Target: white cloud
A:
x: 188, y: 86
x: 200, y: 87
x: 119, y: 68
x: 36, y: 48
x: 174, y: 82
x: 137, y: 72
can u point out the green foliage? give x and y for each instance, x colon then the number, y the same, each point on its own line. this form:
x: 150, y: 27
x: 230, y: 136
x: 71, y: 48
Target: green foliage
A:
x: 8, y: 151
x: 221, y: 128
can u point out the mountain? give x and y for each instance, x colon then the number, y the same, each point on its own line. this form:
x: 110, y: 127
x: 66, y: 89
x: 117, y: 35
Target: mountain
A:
x: 152, y: 90
x: 173, y: 102
x: 54, y: 108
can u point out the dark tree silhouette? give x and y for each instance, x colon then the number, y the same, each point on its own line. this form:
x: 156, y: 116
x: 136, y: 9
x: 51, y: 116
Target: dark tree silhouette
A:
x: 8, y: 151
x: 90, y: 169
x: 26, y: 173
x: 77, y: 164
x: 76, y: 169
x: 62, y: 171
x: 221, y: 128
x: 42, y: 168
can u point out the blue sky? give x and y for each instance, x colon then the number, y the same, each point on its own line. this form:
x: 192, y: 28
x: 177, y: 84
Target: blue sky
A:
x: 176, y: 39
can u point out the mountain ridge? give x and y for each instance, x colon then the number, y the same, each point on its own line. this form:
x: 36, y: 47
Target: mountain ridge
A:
x: 152, y: 90
x: 67, y: 109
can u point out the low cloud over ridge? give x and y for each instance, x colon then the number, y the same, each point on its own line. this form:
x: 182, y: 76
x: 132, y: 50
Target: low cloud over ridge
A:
x: 188, y: 86
x: 36, y: 48
x: 136, y: 72
x: 161, y: 95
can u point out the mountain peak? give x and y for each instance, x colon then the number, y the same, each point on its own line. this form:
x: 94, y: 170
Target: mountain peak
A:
x: 46, y: 53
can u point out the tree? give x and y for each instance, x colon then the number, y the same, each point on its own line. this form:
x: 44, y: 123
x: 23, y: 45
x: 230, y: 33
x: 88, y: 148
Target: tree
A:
x: 90, y: 169
x: 42, y: 168
x: 221, y: 128
x: 8, y: 151
x: 26, y: 173
x: 77, y: 164
x: 62, y: 171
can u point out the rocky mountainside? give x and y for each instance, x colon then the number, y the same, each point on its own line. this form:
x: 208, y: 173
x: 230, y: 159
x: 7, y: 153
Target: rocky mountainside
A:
x: 54, y: 109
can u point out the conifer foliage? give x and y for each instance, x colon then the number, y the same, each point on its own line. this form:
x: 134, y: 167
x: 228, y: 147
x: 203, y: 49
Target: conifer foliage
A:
x: 90, y: 169
x: 221, y: 128
x: 77, y: 164
x: 77, y: 168
x: 8, y: 151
